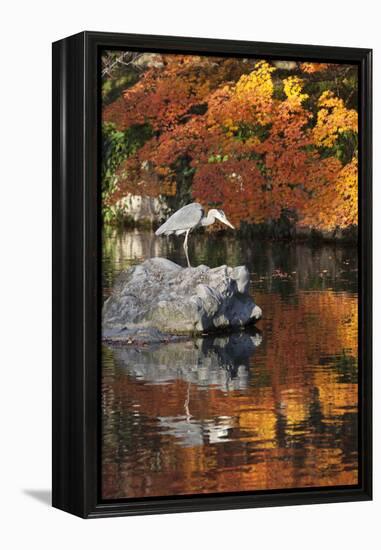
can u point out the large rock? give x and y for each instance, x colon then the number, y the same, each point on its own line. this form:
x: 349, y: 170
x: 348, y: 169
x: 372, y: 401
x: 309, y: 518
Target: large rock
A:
x: 161, y: 297
x: 142, y: 209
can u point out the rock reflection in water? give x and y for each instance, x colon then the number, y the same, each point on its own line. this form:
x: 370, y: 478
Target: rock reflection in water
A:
x: 220, y: 361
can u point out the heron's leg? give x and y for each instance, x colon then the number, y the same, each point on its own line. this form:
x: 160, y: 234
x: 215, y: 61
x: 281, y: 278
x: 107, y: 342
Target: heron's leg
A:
x: 186, y: 404
x: 186, y: 247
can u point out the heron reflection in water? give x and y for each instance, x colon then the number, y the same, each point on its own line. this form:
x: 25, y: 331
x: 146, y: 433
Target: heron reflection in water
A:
x: 187, y: 219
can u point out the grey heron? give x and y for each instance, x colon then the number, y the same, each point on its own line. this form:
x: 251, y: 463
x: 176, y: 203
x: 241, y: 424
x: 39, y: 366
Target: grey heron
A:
x: 187, y: 219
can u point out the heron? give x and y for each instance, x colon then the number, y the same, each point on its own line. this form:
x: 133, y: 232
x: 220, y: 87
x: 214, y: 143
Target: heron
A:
x: 188, y: 218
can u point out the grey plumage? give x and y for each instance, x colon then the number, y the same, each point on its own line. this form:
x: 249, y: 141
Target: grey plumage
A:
x: 188, y: 217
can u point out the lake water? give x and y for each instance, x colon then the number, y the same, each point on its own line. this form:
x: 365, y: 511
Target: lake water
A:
x: 268, y: 408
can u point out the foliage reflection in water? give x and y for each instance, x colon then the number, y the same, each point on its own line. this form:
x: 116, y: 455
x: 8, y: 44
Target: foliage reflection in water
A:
x: 260, y: 409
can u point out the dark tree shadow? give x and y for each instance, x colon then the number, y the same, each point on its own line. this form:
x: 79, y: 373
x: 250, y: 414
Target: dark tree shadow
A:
x: 42, y: 495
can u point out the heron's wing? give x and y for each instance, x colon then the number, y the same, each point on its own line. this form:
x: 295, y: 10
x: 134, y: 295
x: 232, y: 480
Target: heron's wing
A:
x: 186, y: 218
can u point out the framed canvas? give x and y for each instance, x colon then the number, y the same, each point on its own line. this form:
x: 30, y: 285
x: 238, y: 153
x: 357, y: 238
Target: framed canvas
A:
x: 211, y: 274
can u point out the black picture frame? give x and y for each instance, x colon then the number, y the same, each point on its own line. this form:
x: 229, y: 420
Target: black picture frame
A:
x: 76, y: 275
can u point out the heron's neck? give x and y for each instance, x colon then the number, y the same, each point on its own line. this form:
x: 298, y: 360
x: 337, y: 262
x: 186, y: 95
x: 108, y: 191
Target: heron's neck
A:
x: 209, y: 219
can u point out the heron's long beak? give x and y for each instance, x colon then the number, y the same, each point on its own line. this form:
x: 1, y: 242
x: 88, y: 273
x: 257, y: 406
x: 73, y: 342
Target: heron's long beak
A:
x: 226, y: 222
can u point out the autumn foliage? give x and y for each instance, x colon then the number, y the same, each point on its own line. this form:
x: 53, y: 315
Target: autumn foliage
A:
x: 244, y: 136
